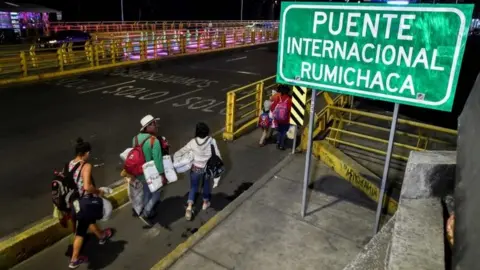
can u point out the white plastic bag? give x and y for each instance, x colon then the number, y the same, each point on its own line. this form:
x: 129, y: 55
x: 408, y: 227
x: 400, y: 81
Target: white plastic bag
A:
x: 169, y: 170
x: 107, y: 209
x: 182, y: 161
x: 152, y: 177
x: 135, y: 194
x: 291, y: 132
x: 215, y: 182
x: 124, y: 154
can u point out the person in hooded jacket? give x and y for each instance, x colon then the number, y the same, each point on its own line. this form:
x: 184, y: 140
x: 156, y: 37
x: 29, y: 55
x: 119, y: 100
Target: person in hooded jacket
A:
x: 200, y: 146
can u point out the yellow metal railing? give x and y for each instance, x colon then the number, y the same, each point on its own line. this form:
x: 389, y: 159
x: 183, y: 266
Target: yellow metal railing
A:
x: 34, y: 62
x: 423, y: 139
x: 334, y: 119
x: 245, y: 104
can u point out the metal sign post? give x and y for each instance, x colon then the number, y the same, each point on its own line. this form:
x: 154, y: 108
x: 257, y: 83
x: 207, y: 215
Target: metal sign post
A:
x: 308, y: 157
x: 391, y: 140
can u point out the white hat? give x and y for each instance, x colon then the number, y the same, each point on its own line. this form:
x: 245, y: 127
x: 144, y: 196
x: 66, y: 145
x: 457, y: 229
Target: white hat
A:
x: 147, y: 120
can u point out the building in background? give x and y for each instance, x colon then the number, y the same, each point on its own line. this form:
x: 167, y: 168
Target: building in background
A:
x: 23, y: 19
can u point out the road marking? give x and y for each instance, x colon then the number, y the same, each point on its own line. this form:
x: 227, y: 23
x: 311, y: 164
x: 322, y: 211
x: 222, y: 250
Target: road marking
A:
x: 227, y: 70
x: 236, y: 59
x: 177, y: 96
x: 105, y: 87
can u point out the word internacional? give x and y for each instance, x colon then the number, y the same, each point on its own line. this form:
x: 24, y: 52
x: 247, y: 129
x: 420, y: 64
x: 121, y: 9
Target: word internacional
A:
x: 404, y: 54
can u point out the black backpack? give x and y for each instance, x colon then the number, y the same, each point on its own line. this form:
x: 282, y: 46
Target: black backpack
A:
x: 215, y: 166
x: 64, y: 188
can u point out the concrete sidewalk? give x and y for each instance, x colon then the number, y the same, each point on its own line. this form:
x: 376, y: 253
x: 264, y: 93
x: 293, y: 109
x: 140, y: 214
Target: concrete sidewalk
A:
x: 266, y: 230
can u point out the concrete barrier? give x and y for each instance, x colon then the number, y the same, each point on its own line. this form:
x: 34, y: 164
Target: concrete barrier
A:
x: 357, y: 175
x: 418, y: 240
x: 467, y: 187
x: 21, y: 246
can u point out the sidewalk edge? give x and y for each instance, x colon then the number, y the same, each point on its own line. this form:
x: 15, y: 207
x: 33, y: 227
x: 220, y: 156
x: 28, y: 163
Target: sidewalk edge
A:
x: 182, y: 248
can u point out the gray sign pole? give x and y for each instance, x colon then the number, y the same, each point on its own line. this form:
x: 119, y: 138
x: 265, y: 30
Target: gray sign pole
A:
x: 308, y: 157
x: 391, y: 140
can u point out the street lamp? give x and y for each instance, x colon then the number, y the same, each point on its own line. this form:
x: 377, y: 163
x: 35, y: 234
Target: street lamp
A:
x: 241, y: 10
x: 121, y: 8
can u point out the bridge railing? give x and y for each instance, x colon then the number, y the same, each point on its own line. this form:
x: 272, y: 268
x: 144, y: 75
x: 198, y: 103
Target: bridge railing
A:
x: 34, y: 62
x: 244, y: 106
x: 116, y: 26
x: 369, y: 131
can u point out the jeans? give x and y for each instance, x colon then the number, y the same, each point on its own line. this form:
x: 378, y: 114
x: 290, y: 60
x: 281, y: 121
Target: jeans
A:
x: 282, y: 134
x: 195, y: 179
x: 149, y: 200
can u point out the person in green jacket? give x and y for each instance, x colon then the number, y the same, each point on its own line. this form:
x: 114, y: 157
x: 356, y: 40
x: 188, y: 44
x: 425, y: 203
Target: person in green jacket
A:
x: 152, y: 150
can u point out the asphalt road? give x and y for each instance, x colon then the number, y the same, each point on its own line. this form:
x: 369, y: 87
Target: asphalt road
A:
x: 41, y: 121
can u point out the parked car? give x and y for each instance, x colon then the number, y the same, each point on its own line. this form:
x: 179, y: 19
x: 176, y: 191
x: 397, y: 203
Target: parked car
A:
x: 76, y: 37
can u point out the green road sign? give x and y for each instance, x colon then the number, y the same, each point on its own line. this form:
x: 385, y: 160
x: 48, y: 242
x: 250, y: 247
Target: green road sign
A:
x: 404, y: 54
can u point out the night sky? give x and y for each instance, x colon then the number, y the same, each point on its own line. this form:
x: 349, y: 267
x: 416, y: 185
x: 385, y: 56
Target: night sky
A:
x: 134, y: 10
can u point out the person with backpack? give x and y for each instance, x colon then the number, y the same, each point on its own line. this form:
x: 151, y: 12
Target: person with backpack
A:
x: 81, y: 172
x: 265, y: 123
x: 281, y: 106
x: 146, y: 147
x: 205, y: 156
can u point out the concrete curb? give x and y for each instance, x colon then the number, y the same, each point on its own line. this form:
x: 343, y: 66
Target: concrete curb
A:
x: 23, y: 245
x: 181, y: 249
x: 53, y: 75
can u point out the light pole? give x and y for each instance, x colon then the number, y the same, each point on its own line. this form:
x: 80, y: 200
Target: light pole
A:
x: 121, y: 8
x: 241, y: 10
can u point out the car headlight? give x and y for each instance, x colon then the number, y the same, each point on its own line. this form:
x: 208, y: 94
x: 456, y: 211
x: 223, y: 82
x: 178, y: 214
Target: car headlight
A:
x: 52, y: 41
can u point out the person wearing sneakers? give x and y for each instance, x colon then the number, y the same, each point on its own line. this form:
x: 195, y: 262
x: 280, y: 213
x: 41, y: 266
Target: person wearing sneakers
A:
x: 152, y: 150
x: 89, y: 207
x: 201, y: 148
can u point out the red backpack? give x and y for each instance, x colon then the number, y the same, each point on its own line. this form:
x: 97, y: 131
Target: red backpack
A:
x: 136, y: 158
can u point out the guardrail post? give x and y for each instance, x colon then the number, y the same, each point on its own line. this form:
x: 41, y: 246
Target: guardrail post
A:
x: 33, y: 56
x: 60, y: 59
x: 169, y: 45
x: 229, y: 116
x: 155, y: 47
x: 198, y: 43
x: 70, y: 53
x: 142, y: 50
x: 23, y: 63
x: 113, y: 51
x: 183, y: 42
x: 224, y: 40
x: 96, y: 57
x: 259, y: 98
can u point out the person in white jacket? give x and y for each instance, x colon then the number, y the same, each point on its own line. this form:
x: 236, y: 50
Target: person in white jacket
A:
x: 201, y: 148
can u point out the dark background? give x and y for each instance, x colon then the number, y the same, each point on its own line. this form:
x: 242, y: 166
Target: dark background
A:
x: 134, y: 10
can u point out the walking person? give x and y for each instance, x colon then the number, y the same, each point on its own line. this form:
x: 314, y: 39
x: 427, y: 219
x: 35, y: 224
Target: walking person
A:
x: 201, y: 147
x: 281, y: 107
x: 87, y: 209
x: 265, y: 122
x: 152, y: 150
